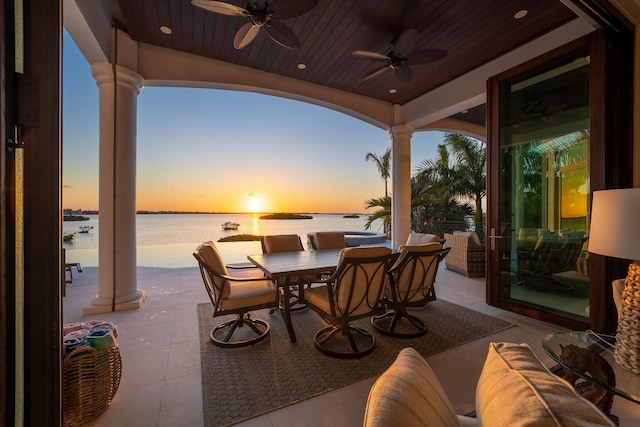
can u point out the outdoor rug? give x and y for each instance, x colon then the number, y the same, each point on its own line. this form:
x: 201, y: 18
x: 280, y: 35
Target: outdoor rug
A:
x: 242, y: 383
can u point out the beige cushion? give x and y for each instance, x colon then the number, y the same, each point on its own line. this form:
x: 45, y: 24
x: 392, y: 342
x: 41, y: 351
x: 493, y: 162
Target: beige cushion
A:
x: 281, y: 243
x: 375, y: 273
x: 515, y: 389
x: 212, y: 259
x: 247, y: 294
x: 409, y: 394
x: 330, y: 240
x: 421, y: 238
x: 407, y: 278
x: 319, y: 296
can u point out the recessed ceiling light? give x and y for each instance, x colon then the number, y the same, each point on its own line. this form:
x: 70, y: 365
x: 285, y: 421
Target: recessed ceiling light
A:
x: 392, y: 90
x: 521, y: 14
x: 464, y: 111
x: 166, y: 30
x: 302, y: 66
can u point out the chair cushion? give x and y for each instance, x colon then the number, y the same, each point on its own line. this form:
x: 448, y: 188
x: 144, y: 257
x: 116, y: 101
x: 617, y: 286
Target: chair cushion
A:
x: 319, y: 296
x: 211, y: 257
x: 407, y: 278
x: 248, y: 294
x: 516, y: 389
x: 377, y: 276
x: 409, y: 394
x: 421, y: 238
x: 281, y: 243
x: 422, y: 248
x: 330, y: 240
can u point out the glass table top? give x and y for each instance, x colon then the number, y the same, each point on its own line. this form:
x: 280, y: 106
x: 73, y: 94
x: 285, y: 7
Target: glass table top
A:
x: 627, y: 384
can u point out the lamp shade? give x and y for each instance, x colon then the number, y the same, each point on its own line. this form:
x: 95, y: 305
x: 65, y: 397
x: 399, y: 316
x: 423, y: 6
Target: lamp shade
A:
x: 615, y: 223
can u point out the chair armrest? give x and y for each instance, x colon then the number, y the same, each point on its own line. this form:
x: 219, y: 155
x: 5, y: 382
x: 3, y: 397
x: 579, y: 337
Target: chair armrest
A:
x: 237, y: 279
x: 241, y: 266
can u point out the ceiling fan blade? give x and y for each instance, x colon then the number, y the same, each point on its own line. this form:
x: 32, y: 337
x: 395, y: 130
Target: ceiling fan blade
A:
x: 405, y: 43
x: 370, y: 55
x: 220, y: 7
x: 374, y: 73
x: 403, y: 73
x: 287, y: 9
x: 425, y: 56
x: 282, y: 34
x: 245, y: 35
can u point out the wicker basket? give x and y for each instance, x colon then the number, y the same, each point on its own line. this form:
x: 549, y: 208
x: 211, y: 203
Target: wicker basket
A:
x: 90, y: 379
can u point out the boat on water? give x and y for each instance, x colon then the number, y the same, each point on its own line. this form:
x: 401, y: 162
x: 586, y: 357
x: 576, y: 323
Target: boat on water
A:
x: 230, y: 225
x: 85, y: 229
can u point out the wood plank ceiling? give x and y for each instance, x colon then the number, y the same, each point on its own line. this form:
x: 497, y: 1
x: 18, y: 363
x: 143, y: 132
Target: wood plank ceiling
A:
x: 472, y: 32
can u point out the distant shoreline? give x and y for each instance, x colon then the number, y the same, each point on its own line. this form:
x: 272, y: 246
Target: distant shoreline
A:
x: 145, y: 212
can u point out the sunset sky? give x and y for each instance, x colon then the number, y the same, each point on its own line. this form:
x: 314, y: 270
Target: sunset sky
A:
x: 224, y: 151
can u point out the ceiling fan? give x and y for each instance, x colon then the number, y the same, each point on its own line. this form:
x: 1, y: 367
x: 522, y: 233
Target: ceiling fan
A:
x: 401, y: 56
x: 262, y: 14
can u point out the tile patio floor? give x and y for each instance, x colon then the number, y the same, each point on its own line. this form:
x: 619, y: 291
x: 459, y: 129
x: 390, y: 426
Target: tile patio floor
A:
x: 159, y: 343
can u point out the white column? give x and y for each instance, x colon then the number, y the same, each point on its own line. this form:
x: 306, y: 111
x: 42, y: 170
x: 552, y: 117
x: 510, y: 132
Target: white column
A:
x: 401, y: 184
x: 117, y: 279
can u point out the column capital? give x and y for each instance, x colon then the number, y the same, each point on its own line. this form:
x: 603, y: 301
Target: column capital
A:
x: 401, y: 130
x: 103, y: 72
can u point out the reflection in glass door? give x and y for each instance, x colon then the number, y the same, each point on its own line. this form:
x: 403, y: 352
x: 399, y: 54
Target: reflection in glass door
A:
x: 544, y: 189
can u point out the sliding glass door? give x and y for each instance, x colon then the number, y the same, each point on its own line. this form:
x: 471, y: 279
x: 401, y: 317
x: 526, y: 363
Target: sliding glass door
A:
x: 544, y: 186
x: 558, y: 129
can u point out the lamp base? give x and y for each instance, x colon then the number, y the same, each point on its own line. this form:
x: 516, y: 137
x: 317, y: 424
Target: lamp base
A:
x: 627, y: 352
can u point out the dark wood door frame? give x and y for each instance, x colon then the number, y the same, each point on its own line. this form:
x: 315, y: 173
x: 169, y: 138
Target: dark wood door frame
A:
x: 611, y: 145
x: 32, y: 111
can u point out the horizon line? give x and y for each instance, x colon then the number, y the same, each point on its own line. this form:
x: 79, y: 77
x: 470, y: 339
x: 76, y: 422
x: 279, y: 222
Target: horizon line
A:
x: 145, y: 212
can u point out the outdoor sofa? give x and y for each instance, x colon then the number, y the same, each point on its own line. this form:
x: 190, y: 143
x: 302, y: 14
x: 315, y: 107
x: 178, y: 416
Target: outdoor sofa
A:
x: 467, y: 255
x: 514, y: 389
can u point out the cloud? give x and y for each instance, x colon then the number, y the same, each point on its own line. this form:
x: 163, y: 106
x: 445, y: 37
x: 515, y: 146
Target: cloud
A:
x: 68, y: 186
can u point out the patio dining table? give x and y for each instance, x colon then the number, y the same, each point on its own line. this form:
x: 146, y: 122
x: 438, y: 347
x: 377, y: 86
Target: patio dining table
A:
x: 283, y: 266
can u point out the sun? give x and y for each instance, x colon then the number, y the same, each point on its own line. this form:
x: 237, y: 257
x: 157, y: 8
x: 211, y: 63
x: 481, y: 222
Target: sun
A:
x: 255, y: 203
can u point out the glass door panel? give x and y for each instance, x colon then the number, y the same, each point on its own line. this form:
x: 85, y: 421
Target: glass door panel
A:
x: 544, y: 189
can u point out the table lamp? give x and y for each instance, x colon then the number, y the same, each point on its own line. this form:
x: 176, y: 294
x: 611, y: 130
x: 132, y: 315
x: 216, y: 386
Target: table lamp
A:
x: 615, y: 232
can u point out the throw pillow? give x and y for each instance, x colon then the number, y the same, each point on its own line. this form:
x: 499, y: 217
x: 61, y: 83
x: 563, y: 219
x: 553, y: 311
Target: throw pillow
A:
x: 516, y: 389
x: 415, y: 239
x: 409, y: 394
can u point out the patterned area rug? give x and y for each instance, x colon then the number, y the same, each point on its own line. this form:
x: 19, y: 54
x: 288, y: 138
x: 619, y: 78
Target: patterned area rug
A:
x: 242, y: 383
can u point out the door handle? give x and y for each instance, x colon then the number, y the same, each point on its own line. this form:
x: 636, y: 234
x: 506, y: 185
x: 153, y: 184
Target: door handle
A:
x: 493, y: 238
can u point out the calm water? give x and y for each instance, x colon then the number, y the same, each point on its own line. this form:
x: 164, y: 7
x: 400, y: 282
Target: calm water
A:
x: 169, y: 240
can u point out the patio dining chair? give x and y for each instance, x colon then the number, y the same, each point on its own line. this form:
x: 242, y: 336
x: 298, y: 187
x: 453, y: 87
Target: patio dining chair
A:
x: 411, y: 280
x: 276, y: 243
x: 234, y: 295
x: 352, y: 292
x: 328, y: 240
x: 281, y: 243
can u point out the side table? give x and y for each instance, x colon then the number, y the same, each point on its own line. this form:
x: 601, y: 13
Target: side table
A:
x: 589, y: 365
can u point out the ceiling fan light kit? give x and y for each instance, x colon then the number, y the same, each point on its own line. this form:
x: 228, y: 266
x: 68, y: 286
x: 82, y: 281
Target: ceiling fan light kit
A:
x: 265, y: 14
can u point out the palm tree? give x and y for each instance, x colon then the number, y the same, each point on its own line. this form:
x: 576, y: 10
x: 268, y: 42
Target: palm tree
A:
x: 441, y: 204
x: 384, y: 166
x: 459, y: 171
x: 438, y: 174
x: 470, y: 170
x: 419, y: 197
